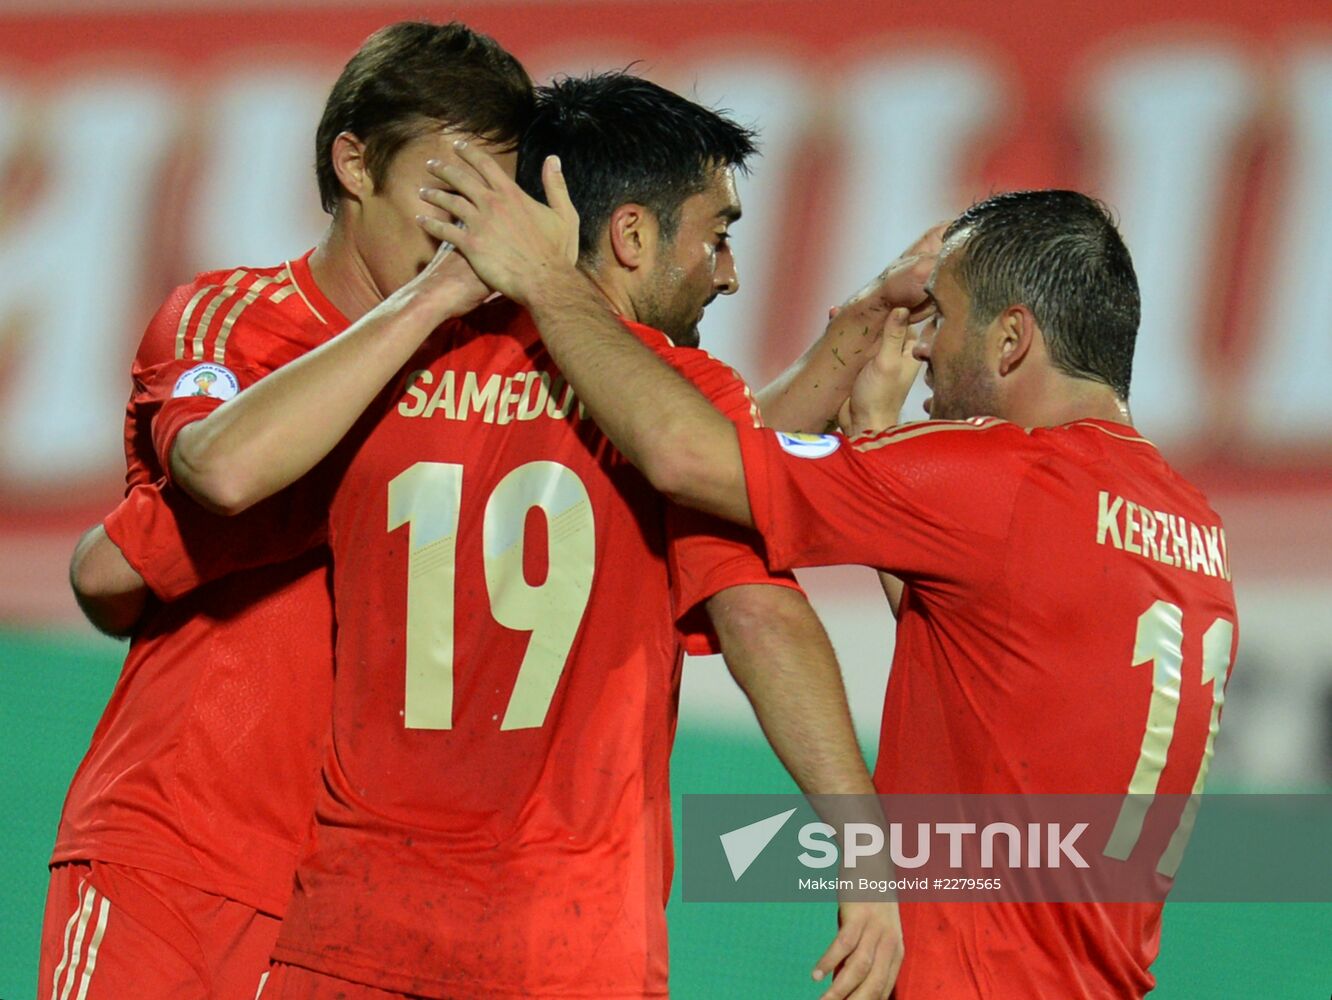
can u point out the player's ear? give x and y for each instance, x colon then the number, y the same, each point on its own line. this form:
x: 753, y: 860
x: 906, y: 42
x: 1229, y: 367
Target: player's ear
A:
x: 1018, y: 331
x: 632, y: 235
x: 349, y: 163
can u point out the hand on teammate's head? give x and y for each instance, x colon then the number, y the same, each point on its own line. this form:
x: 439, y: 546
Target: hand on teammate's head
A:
x: 511, y: 240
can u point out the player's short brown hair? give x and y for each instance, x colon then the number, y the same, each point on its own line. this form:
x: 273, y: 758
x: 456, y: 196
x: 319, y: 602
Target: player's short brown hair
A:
x: 1060, y: 254
x: 412, y: 77
x: 623, y: 139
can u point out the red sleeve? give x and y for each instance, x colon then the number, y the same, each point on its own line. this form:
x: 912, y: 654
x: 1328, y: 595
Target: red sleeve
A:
x: 172, y: 392
x: 913, y: 500
x: 177, y: 546
x: 189, y: 364
x: 707, y: 555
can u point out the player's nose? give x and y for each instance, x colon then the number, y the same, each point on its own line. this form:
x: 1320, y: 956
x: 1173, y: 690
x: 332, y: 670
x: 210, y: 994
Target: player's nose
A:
x: 726, y: 279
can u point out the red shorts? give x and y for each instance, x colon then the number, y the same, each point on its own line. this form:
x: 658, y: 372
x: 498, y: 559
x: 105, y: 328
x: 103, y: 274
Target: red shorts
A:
x: 113, y: 932
x: 291, y: 982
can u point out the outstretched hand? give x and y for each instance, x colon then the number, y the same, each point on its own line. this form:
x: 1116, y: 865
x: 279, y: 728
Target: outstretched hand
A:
x: 866, y: 954
x: 512, y: 241
x: 881, y: 388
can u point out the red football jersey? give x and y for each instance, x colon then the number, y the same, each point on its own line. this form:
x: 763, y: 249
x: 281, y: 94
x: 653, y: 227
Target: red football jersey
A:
x: 1068, y: 625
x: 204, y: 764
x: 495, y: 812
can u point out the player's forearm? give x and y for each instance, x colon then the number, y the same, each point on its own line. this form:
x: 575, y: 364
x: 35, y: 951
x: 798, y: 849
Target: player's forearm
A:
x: 806, y: 397
x: 108, y: 590
x: 274, y: 432
x: 658, y: 420
x: 779, y: 654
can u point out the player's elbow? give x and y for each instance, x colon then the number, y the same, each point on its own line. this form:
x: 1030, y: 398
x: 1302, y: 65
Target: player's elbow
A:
x: 684, y: 478
x: 215, y: 493
x: 214, y: 483
x: 114, y: 616
x: 86, y: 574
x: 108, y: 591
x: 677, y: 461
x: 765, y: 613
x: 669, y: 475
x: 697, y: 464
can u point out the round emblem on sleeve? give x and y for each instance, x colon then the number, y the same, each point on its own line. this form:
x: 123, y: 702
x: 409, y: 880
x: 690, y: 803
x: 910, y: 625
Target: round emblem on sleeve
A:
x: 213, y: 381
x: 808, y: 445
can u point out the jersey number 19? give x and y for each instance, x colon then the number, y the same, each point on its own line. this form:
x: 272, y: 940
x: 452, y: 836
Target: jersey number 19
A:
x: 428, y: 498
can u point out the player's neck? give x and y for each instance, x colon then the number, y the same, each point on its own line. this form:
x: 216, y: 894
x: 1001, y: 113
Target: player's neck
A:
x: 619, y: 298
x: 1063, y: 400
x: 341, y: 274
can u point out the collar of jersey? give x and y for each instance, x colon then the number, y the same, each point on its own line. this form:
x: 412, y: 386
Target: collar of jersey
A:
x: 314, y: 298
x: 1125, y: 432
x: 649, y: 335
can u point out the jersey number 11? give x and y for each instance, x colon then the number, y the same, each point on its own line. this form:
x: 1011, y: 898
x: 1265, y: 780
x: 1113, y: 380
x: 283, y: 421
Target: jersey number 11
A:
x: 1159, y: 641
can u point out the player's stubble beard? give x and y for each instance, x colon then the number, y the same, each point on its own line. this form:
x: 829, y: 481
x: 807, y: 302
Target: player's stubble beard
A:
x: 675, y: 299
x: 966, y: 388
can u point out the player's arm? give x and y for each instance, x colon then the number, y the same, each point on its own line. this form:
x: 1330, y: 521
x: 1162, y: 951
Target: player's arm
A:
x: 109, y: 592
x: 156, y: 532
x: 875, y: 398
x: 777, y: 650
x: 274, y: 432
x: 658, y: 420
x: 807, y: 396
x: 158, y: 542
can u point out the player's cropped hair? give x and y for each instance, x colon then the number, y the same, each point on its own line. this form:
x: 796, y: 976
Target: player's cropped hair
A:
x: 623, y: 139
x: 413, y: 77
x: 1060, y: 254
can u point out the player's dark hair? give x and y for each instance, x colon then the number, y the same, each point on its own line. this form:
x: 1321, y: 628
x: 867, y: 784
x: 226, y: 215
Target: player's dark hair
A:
x: 412, y: 77
x: 623, y: 139
x: 1059, y: 254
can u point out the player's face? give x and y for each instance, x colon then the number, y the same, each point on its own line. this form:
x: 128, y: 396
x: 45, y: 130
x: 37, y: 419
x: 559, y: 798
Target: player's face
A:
x: 954, y: 353
x: 394, y: 246
x: 697, y: 265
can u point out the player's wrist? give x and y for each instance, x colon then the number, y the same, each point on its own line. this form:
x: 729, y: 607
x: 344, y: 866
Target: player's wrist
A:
x: 871, y: 423
x: 557, y: 287
x: 431, y: 300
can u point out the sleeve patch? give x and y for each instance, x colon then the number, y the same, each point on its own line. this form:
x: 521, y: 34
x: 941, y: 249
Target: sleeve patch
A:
x: 210, y: 380
x: 809, y: 445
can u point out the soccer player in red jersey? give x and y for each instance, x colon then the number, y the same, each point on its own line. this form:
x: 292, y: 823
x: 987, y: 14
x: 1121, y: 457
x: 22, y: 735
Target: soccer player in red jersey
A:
x: 180, y: 835
x: 1048, y: 550
x: 495, y: 812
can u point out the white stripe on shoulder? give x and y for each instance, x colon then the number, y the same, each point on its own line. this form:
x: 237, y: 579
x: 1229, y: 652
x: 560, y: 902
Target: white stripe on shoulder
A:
x: 228, y: 291
x: 910, y: 432
x: 224, y: 332
x: 185, y: 317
